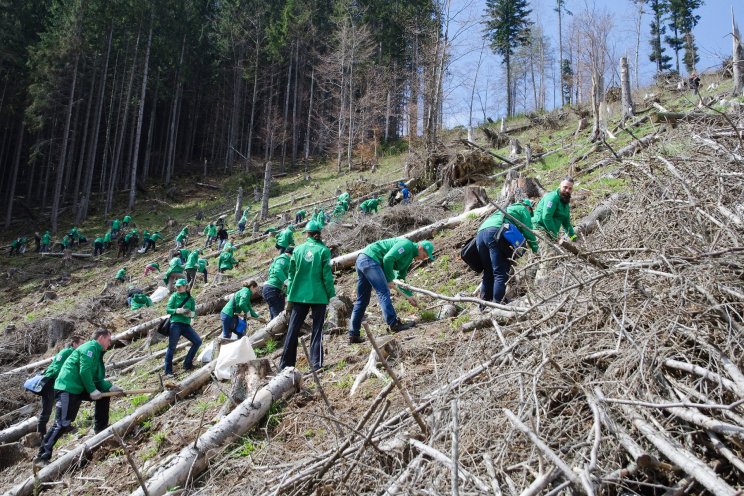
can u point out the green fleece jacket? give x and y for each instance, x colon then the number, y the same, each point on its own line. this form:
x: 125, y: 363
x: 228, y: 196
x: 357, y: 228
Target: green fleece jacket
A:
x: 59, y: 359
x: 278, y: 272
x: 520, y: 212
x: 551, y: 214
x: 140, y: 300
x: 174, y: 302
x: 309, y: 279
x: 83, y: 371
x: 394, y: 256
x: 240, y: 303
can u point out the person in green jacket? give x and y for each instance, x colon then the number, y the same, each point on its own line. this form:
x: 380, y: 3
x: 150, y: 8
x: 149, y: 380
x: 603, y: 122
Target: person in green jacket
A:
x: 174, y: 272
x: 121, y: 276
x: 98, y: 246
x: 66, y: 242
x: 181, y: 238
x: 46, y: 242
x: 50, y: 374
x: 145, y: 238
x: 81, y: 378
x: 240, y: 303
x: 309, y: 288
x: 275, y: 285
x: 369, y: 206
x: 152, y: 267
x: 139, y: 300
x: 226, y: 261
x: 285, y: 239
x: 151, y: 241
x: 126, y: 221
x: 202, y: 263
x: 210, y: 233
x: 107, y: 239
x: 379, y: 264
x: 115, y: 227
x: 192, y: 262
x: 554, y: 211
x: 496, y: 253
x: 181, y: 308
x: 300, y: 216
x: 243, y: 221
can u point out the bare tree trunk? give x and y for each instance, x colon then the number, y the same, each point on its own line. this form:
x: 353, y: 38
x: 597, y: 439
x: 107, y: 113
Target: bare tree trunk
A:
x: 627, y: 99
x: 140, y: 118
x: 249, y: 152
x: 472, y: 91
x: 172, y: 126
x: 286, y: 114
x: 235, y: 114
x: 350, y: 142
x: 14, y: 175
x: 63, y: 153
x: 294, y: 107
x: 639, y: 22
x: 559, y: 9
x: 239, y: 205
x: 266, y: 190
x: 738, y: 57
x: 83, y: 151
x: 309, y: 117
x: 150, y: 131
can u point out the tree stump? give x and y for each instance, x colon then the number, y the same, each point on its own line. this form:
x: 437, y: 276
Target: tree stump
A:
x: 58, y: 331
x: 475, y: 196
x: 515, y: 147
x: 337, y: 312
x: 248, y: 377
x: 10, y: 454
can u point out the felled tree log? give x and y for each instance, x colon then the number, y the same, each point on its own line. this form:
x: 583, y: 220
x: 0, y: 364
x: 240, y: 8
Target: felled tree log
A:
x: 76, y: 255
x: 159, y: 403
x: 17, y: 431
x: 625, y: 151
x: 347, y: 261
x: 274, y: 329
x: 194, y: 459
x: 600, y: 214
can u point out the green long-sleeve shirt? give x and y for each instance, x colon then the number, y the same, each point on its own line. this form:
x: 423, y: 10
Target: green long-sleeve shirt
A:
x: 520, y: 212
x: 310, y: 279
x: 226, y: 261
x: 551, y: 214
x: 278, y: 272
x: 285, y: 238
x: 59, y: 359
x: 121, y: 275
x: 394, y: 256
x: 174, y: 302
x: 140, y: 300
x: 83, y: 371
x: 240, y: 303
x: 193, y: 260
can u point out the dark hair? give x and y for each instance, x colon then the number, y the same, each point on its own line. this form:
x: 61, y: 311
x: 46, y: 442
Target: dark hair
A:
x: 101, y: 332
x: 568, y: 179
x: 76, y: 338
x: 250, y: 284
x: 314, y: 234
x: 289, y: 250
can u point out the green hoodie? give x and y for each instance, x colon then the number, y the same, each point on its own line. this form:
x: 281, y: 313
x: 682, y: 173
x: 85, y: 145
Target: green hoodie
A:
x: 174, y: 302
x: 394, y: 256
x: 241, y: 302
x: 309, y: 279
x: 140, y: 300
x: 83, y: 371
x: 59, y: 359
x: 278, y: 272
x: 520, y: 212
x: 551, y: 213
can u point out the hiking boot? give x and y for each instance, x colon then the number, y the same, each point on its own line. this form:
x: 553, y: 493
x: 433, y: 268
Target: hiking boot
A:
x: 401, y: 326
x: 356, y: 339
x: 41, y: 461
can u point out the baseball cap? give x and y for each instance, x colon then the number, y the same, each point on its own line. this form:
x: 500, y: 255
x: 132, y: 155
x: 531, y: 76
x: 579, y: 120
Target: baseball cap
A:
x: 313, y: 226
x: 181, y: 282
x: 428, y: 248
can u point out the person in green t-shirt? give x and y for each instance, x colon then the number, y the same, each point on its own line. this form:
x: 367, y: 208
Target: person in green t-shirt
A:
x: 378, y: 265
x: 181, y: 308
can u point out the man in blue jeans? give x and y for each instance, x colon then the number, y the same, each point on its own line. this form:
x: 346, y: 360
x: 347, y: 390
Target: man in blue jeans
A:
x: 378, y: 265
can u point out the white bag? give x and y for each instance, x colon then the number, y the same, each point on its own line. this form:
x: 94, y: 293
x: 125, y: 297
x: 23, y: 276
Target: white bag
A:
x: 233, y: 354
x: 207, y: 354
x: 159, y: 294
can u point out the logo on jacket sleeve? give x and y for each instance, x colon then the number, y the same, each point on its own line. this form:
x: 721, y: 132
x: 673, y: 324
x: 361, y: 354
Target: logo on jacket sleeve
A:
x: 401, y: 250
x: 90, y: 353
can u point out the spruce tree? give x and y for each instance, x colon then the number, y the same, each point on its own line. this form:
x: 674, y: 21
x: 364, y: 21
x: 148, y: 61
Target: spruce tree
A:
x: 659, y: 9
x: 682, y: 21
x: 507, y: 28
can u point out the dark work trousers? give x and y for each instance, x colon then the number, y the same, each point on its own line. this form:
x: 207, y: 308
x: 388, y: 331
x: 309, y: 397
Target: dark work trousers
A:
x: 274, y: 298
x: 67, y: 406
x: 296, y: 318
x: 496, y: 265
x: 97, y: 249
x: 190, y: 275
x: 47, y: 404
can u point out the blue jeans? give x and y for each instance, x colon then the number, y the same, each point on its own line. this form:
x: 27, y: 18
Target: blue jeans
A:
x: 274, y: 298
x: 228, y: 322
x: 496, y: 265
x: 178, y: 329
x: 296, y: 319
x: 370, y: 275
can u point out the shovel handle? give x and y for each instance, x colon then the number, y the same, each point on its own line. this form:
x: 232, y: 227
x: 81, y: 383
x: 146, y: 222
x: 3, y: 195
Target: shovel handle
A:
x: 129, y: 392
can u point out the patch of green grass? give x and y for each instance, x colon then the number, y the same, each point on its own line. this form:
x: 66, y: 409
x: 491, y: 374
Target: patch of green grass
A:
x: 345, y: 382
x: 247, y: 448
x: 146, y: 425
x: 427, y: 316
x: 270, y: 347
x: 158, y: 441
x: 138, y: 400
x: 341, y: 365
x: 275, y: 415
x: 457, y: 323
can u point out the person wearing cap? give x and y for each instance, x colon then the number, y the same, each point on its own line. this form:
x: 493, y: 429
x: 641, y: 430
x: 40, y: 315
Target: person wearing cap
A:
x: 126, y: 220
x: 121, y: 276
x: 240, y: 303
x: 46, y: 241
x: 139, y: 300
x: 276, y: 283
x: 181, y: 308
x: 309, y: 288
x: 202, y: 268
x: 151, y: 241
x: 226, y: 261
x: 174, y: 272
x: 81, y: 378
x: 243, y: 221
x: 496, y: 253
x: 181, y: 239
x: 553, y: 211
x: 115, y: 227
x: 285, y: 239
x: 378, y: 265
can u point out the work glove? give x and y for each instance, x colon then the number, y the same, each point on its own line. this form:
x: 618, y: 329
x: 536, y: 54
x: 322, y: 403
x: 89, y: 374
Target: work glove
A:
x: 115, y: 389
x: 572, y: 238
x: 179, y: 311
x: 96, y: 395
